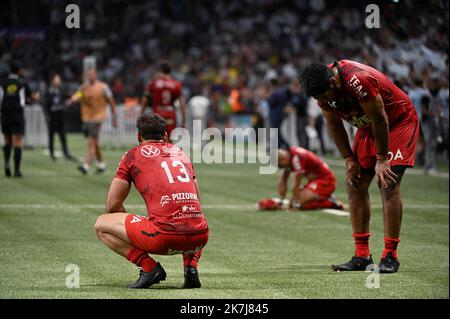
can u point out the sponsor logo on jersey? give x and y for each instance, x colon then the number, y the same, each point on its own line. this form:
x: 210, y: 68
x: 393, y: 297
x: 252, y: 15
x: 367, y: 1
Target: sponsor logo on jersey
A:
x: 179, y: 198
x: 189, y: 208
x: 332, y: 104
x: 355, y: 84
x: 159, y: 84
x: 165, y: 84
x: 165, y: 199
x: 184, y: 196
x: 11, y: 89
x: 150, y: 151
x: 359, y: 121
x: 184, y: 252
x: 180, y: 215
x: 296, y: 163
x: 172, y: 151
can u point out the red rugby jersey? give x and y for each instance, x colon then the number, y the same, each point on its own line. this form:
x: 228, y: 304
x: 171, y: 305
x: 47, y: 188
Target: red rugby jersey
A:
x: 309, y: 164
x: 362, y: 82
x: 164, y: 91
x: 164, y: 176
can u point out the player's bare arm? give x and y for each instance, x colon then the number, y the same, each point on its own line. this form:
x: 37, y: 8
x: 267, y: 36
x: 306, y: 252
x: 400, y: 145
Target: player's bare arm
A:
x: 113, y: 106
x: 374, y: 108
x: 144, y: 102
x: 35, y: 96
x: 76, y: 97
x: 118, y: 192
x: 197, y: 189
x: 183, y: 110
x: 340, y: 137
x: 296, y: 189
x: 282, y: 185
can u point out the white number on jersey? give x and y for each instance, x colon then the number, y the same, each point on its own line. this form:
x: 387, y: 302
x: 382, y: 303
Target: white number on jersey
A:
x: 183, y: 177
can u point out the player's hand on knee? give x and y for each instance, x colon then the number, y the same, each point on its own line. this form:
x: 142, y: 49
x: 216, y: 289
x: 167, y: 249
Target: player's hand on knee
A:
x: 386, y: 178
x: 352, y: 171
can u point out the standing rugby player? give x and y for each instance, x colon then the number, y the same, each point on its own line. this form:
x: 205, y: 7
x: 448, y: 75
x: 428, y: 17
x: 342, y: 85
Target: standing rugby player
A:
x: 165, y: 178
x: 94, y: 95
x: 384, y: 146
x: 161, y: 94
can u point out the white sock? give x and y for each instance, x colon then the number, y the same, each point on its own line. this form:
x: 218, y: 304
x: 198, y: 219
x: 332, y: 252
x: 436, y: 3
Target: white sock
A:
x: 101, y: 165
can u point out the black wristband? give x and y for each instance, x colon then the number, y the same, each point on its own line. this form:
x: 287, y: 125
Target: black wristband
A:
x: 381, y: 157
x: 347, y: 156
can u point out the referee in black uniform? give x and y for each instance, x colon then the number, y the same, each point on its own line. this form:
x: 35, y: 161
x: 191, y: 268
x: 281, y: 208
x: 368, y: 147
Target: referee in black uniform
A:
x: 13, y: 95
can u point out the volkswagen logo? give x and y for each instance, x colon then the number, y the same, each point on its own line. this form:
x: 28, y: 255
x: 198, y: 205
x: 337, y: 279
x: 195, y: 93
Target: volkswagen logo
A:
x: 149, y: 151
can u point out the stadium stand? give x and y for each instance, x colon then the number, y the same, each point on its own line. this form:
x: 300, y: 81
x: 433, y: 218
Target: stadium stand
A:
x: 218, y: 48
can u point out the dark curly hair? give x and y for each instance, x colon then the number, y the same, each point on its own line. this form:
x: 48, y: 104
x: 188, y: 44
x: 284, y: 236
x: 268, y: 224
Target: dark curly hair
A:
x: 151, y: 126
x: 165, y: 68
x: 315, y: 79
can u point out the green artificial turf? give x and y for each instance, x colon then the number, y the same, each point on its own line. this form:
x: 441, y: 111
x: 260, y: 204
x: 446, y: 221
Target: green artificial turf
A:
x: 46, y: 223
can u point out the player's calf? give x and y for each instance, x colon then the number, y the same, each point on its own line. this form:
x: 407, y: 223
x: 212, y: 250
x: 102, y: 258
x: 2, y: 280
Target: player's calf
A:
x: 392, y: 211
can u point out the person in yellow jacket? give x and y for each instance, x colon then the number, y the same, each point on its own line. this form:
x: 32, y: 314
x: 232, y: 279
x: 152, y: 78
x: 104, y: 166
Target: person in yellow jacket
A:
x: 93, y: 95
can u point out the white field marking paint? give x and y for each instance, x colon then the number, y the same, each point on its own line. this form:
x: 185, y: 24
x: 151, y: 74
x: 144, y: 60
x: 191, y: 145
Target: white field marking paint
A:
x: 206, y: 206
x: 335, y: 212
x: 58, y: 154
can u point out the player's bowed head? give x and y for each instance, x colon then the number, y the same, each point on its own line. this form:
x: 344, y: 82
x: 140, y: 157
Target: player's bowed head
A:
x: 151, y: 127
x: 284, y: 158
x: 321, y: 82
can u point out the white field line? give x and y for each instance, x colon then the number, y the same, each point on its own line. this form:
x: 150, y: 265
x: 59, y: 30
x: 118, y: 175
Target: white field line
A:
x: 335, y: 212
x: 206, y: 206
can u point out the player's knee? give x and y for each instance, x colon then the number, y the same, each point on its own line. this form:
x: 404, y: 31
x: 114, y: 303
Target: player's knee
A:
x: 390, y: 193
x: 307, y: 197
x: 99, y: 224
x: 356, y: 193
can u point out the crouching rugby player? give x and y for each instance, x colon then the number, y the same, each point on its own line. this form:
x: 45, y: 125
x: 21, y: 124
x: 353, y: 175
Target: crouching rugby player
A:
x: 175, y: 224
x: 317, y: 193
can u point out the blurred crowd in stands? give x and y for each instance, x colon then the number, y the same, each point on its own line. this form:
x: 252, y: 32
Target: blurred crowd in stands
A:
x: 243, y: 55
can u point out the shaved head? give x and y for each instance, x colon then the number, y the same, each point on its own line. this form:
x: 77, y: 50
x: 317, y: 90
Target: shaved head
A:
x: 284, y: 158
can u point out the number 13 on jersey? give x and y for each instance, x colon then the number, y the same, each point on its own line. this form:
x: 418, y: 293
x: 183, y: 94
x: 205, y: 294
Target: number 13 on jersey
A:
x: 182, y: 174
